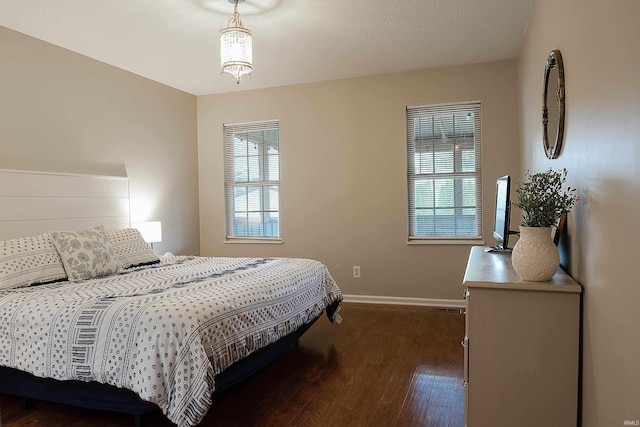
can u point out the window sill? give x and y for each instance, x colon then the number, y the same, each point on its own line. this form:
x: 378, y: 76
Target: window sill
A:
x: 473, y: 242
x: 249, y: 240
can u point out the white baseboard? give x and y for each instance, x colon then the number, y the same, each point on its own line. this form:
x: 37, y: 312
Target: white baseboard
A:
x: 423, y: 302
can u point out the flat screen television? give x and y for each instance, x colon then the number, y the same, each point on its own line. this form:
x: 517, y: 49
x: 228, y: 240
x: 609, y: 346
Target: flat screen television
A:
x: 502, y: 214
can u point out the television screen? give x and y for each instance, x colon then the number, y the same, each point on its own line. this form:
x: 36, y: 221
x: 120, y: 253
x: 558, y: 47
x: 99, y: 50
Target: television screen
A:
x: 503, y: 213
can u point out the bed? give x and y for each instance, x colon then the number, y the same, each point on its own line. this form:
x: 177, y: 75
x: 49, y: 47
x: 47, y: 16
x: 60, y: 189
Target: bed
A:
x: 145, y: 332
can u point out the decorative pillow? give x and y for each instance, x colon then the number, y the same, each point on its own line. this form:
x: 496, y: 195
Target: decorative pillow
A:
x: 131, y: 249
x: 86, y: 254
x: 29, y: 260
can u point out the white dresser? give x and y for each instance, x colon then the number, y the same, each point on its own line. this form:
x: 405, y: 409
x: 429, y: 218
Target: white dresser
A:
x: 522, y: 346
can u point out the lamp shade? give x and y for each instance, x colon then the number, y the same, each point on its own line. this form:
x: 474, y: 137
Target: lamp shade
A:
x: 151, y: 231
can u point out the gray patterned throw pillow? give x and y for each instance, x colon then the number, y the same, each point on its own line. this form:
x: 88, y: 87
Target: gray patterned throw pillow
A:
x: 86, y: 253
x: 29, y: 260
x: 131, y: 249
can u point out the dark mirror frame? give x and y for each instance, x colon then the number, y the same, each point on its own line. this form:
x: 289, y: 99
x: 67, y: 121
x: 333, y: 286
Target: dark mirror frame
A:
x: 553, y: 103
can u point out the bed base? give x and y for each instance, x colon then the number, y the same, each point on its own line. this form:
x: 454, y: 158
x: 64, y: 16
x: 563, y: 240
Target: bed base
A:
x: 104, y: 397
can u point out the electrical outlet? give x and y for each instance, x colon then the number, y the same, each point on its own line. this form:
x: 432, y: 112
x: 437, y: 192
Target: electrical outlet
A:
x: 356, y: 271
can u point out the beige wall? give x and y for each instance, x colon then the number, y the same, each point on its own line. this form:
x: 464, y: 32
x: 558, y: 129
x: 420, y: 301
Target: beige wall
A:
x: 343, y: 172
x: 60, y: 111
x: 599, y: 44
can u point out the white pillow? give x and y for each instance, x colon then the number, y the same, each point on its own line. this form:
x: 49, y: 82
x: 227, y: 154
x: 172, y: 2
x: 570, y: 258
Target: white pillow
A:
x: 29, y: 260
x: 86, y: 253
x: 131, y: 249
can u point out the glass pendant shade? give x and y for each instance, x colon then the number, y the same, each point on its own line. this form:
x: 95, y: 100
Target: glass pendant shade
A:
x: 236, y: 54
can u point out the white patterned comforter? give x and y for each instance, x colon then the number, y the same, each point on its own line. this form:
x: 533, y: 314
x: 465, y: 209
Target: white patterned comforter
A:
x: 163, y: 331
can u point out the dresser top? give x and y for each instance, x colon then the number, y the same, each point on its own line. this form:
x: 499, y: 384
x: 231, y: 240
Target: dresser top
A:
x: 494, y: 270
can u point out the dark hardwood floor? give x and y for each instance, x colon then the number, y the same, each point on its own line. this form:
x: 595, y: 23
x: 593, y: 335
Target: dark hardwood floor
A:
x: 383, y: 366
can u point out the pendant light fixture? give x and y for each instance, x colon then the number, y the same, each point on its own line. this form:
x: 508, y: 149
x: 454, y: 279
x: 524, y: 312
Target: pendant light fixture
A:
x: 236, y: 53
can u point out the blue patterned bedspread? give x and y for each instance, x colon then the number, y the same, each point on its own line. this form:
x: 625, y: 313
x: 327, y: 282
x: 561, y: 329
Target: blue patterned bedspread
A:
x: 163, y: 331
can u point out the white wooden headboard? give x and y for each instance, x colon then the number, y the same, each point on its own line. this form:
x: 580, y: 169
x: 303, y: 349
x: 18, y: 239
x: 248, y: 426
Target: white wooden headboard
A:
x: 35, y: 202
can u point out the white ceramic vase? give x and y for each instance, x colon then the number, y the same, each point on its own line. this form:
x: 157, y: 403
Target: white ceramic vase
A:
x: 535, y: 257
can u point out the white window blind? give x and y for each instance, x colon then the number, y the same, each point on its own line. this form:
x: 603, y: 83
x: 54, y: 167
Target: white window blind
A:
x: 444, y: 167
x: 252, y: 180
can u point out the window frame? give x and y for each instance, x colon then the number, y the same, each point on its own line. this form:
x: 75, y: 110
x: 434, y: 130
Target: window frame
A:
x: 230, y: 183
x: 414, y: 112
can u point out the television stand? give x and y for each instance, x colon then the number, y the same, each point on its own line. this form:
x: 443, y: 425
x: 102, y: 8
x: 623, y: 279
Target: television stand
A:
x: 498, y: 249
x: 521, y: 346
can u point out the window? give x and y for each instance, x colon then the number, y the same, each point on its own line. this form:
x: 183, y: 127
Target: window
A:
x: 252, y: 180
x: 444, y: 172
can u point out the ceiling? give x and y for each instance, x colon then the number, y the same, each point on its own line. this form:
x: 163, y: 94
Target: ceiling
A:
x: 176, y: 42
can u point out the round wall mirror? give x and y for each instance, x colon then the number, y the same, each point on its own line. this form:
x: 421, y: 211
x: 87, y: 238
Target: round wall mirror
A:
x: 553, y: 105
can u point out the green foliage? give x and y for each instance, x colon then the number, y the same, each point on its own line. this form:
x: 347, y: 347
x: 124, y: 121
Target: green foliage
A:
x: 542, y: 199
